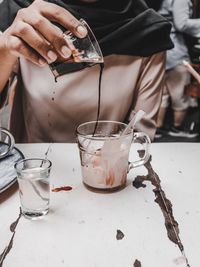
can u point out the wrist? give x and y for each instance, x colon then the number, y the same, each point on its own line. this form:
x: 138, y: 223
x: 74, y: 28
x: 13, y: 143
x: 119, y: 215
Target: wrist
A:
x: 5, y: 54
x: 7, y: 62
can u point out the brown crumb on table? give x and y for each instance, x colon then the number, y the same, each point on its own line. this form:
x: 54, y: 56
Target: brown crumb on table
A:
x: 137, y: 263
x: 119, y: 235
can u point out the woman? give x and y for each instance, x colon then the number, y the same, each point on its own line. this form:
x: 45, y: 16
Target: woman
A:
x: 45, y: 111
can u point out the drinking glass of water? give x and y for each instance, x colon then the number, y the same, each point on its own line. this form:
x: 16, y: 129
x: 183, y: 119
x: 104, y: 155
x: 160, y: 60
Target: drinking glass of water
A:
x: 33, y: 176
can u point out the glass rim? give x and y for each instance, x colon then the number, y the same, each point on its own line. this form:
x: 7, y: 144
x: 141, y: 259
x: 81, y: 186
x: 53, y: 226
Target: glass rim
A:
x: 33, y: 159
x: 91, y: 34
x: 78, y: 133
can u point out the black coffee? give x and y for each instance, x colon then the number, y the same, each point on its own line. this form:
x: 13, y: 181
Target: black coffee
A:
x: 99, y: 97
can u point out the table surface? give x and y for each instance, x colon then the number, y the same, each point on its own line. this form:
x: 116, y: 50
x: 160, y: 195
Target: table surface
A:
x: 81, y: 227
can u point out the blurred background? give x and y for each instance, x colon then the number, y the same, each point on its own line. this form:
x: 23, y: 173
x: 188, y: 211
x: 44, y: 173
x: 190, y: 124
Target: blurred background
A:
x: 179, y: 117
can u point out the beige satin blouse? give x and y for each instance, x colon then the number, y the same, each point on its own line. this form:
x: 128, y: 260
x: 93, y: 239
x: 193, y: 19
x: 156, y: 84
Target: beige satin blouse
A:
x: 46, y: 111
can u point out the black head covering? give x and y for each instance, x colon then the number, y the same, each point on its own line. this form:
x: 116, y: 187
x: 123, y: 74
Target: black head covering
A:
x: 155, y: 4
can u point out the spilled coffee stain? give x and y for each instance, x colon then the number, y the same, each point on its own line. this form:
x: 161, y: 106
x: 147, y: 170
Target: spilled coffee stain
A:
x: 141, y: 153
x: 165, y: 205
x: 119, y: 235
x: 62, y: 188
x: 179, y: 260
x: 137, y: 184
x: 137, y: 263
x: 8, y: 248
x: 13, y: 225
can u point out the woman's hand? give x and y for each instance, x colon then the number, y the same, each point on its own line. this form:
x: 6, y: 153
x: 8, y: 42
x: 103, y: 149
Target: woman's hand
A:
x: 33, y: 35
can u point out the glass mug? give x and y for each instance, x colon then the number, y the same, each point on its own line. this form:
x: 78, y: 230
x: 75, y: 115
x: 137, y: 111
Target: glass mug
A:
x: 105, y: 155
x: 86, y: 52
x: 7, y: 142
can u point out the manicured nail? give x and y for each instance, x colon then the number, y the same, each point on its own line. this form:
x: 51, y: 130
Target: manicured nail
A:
x: 51, y: 55
x: 81, y: 30
x: 66, y: 52
x: 42, y: 62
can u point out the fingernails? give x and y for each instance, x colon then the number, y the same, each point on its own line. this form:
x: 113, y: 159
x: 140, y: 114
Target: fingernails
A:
x: 81, y: 30
x: 66, y: 52
x: 42, y: 62
x: 51, y: 56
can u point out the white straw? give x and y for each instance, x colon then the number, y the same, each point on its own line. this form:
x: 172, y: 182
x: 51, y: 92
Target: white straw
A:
x: 138, y: 116
x: 192, y: 70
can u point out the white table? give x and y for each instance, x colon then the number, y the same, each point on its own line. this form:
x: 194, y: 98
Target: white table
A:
x: 80, y: 229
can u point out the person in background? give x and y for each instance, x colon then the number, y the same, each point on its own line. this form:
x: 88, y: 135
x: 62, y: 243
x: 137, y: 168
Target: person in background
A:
x: 46, y: 111
x: 179, y: 13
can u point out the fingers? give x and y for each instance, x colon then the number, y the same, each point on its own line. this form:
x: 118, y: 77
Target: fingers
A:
x: 34, y: 36
x: 31, y: 37
x: 51, y: 33
x: 65, y: 18
x: 18, y: 48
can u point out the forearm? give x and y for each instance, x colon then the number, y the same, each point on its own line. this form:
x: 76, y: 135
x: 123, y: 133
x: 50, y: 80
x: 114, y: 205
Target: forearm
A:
x: 7, y: 61
x: 190, y: 26
x: 182, y: 18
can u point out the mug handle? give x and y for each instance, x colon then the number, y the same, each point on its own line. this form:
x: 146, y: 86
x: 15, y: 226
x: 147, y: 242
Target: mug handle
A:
x: 143, y: 139
x: 11, y: 142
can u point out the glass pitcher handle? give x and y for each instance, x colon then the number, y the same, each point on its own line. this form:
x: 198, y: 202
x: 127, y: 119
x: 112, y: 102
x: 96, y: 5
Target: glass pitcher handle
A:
x: 143, y: 139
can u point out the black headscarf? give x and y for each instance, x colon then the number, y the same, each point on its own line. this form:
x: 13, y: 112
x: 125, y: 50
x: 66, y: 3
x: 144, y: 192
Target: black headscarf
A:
x: 125, y: 27
x: 155, y: 4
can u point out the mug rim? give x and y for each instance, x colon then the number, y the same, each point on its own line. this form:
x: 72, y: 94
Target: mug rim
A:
x: 78, y: 133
